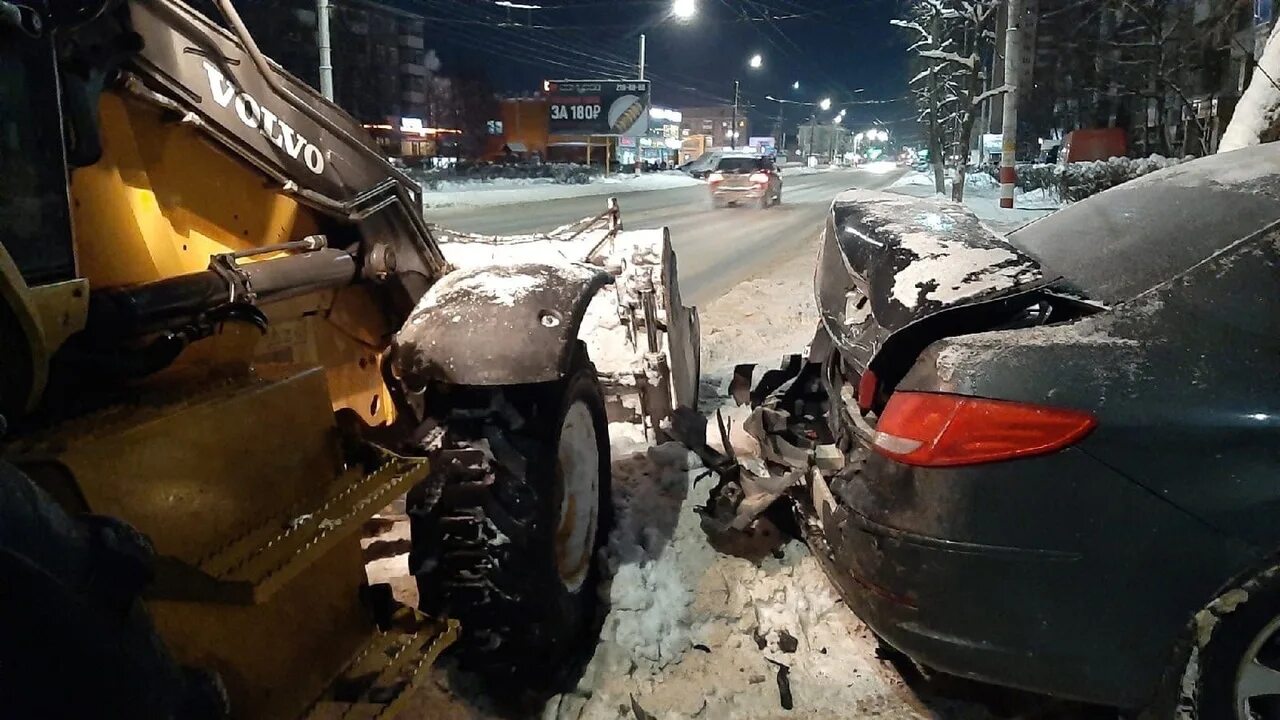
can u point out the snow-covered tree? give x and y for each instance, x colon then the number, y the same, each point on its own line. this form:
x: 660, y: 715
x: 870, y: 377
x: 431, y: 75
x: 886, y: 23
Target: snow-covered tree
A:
x: 951, y: 39
x: 930, y: 84
x: 1257, y: 116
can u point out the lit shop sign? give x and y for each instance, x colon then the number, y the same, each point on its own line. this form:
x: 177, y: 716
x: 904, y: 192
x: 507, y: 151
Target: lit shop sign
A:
x: 660, y: 113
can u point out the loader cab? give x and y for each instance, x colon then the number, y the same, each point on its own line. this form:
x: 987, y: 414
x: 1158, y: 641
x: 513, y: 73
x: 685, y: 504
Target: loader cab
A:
x: 35, y: 217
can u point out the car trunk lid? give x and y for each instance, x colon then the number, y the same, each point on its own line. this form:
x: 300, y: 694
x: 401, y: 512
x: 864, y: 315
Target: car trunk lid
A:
x: 891, y: 263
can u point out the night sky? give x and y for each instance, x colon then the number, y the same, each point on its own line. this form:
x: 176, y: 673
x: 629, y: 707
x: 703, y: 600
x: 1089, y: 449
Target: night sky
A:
x: 832, y: 47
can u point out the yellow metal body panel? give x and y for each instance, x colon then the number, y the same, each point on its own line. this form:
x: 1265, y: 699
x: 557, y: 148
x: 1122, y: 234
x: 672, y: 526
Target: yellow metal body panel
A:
x: 276, y: 658
x: 163, y: 199
x: 239, y: 436
x: 197, y: 470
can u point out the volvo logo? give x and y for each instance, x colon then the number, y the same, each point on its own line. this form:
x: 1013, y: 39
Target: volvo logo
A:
x: 255, y: 116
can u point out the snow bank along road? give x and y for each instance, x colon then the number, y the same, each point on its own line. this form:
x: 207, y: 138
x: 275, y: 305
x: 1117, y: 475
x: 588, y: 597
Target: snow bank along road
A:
x: 716, y: 249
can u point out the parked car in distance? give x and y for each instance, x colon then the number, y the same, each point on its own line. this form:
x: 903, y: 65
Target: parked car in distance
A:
x: 1064, y: 449
x: 740, y: 179
x: 703, y: 165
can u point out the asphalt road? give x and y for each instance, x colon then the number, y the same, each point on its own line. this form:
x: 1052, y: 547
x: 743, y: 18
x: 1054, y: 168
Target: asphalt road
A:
x: 715, y: 249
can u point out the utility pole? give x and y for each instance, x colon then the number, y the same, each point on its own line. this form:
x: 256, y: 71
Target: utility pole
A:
x: 1012, y: 71
x: 641, y: 56
x: 782, y: 135
x: 326, y: 59
x: 639, y: 163
x: 733, y: 128
x: 813, y: 129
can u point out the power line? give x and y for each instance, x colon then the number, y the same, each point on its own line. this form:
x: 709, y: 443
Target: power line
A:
x: 618, y: 65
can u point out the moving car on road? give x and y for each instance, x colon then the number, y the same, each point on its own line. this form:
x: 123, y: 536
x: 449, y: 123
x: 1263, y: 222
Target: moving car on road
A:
x: 1063, y: 451
x: 741, y: 179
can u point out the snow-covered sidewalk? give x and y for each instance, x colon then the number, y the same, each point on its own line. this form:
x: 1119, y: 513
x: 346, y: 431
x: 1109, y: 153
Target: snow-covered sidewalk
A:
x: 507, y: 191
x: 982, y: 196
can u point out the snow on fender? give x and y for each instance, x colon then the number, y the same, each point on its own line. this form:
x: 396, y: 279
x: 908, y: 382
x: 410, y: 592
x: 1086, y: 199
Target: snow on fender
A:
x: 496, y: 325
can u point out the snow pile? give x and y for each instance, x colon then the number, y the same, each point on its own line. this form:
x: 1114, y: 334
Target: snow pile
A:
x: 499, y: 284
x: 1256, y: 114
x: 981, y: 181
x: 461, y: 175
x: 984, y: 200
x: 506, y: 191
x: 648, y: 595
x: 1077, y: 181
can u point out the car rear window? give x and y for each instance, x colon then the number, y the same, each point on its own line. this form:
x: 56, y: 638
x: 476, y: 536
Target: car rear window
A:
x: 1127, y: 240
x: 740, y: 164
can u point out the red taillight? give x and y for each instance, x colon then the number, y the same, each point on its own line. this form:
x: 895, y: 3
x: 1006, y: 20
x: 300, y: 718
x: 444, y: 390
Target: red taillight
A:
x: 937, y: 430
x: 867, y: 386
x: 759, y: 178
x: 714, y: 178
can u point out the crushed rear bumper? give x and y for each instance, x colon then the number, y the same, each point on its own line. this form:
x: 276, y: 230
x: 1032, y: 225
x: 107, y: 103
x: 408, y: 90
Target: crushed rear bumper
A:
x: 1023, y: 574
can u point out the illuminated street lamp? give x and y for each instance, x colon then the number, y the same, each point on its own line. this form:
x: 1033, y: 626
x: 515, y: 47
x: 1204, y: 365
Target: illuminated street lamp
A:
x: 684, y: 9
x: 825, y: 104
x: 756, y: 61
x: 795, y: 85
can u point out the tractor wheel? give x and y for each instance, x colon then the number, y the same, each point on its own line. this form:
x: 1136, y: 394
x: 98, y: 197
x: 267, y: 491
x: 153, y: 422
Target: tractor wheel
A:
x: 509, y: 547
x: 75, y: 641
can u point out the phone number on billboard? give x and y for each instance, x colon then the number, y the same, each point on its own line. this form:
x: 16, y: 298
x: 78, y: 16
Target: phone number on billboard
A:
x: 575, y: 112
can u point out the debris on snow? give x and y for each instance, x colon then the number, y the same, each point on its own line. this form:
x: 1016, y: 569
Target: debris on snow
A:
x: 680, y: 636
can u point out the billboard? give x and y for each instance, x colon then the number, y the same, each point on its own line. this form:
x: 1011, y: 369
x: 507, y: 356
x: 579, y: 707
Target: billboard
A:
x: 763, y: 144
x: 598, y: 107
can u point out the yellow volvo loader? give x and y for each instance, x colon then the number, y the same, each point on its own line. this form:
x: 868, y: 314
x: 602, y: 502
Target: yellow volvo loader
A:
x: 227, y: 339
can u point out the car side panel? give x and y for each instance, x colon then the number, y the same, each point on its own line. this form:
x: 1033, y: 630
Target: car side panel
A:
x: 1054, y: 574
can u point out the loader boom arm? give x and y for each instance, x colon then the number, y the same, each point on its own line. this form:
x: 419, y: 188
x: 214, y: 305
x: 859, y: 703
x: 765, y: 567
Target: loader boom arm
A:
x: 219, y: 81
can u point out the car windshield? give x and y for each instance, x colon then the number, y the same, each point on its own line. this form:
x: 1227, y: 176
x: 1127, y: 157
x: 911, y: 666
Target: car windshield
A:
x: 740, y: 164
x: 1125, y: 241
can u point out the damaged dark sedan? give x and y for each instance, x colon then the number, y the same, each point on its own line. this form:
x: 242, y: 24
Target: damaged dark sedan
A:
x: 1063, y: 457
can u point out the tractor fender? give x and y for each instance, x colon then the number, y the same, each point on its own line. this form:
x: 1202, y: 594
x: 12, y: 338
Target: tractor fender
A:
x: 496, y: 325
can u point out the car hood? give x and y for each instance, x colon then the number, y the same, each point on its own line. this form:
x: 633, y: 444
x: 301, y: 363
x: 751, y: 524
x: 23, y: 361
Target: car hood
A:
x: 890, y: 261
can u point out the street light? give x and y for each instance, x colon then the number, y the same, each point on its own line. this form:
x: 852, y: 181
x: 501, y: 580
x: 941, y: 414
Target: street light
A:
x: 684, y: 9
x: 795, y: 85
x: 825, y: 104
x: 756, y: 61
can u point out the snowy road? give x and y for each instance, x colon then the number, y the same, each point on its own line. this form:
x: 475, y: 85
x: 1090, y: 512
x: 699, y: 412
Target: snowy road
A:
x: 716, y: 248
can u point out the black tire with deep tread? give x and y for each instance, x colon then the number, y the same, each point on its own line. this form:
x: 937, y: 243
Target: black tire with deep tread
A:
x: 523, y: 631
